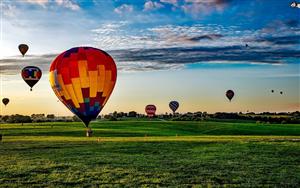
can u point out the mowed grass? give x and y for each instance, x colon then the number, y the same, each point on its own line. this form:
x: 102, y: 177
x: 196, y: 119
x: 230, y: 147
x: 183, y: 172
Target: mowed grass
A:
x: 150, y: 154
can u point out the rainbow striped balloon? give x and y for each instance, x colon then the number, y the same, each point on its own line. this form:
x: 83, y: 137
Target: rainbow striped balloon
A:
x: 83, y: 79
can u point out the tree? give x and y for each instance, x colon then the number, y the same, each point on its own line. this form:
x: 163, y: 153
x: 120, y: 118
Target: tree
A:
x: 18, y: 119
x: 132, y: 114
x: 115, y: 114
x: 5, y: 118
x: 38, y: 117
x: 50, y: 116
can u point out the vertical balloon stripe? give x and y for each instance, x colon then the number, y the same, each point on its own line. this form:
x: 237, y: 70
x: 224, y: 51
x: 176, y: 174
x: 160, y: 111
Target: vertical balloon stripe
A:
x: 71, y: 87
x: 52, y: 79
x: 70, y: 90
x: 77, y: 89
x: 107, y: 83
x: 83, y: 74
x: 101, y: 78
x: 85, y: 93
x: 82, y: 107
x: 93, y: 75
x: 66, y: 78
x: 62, y: 85
x: 112, y: 84
x: 74, y: 71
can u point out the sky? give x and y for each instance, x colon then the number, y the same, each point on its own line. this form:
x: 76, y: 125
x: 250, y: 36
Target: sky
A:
x: 191, y: 51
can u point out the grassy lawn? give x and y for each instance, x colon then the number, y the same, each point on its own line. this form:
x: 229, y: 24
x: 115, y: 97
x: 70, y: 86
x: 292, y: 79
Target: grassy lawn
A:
x: 150, y: 154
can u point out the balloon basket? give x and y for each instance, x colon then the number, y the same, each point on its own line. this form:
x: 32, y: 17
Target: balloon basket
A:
x: 89, y: 132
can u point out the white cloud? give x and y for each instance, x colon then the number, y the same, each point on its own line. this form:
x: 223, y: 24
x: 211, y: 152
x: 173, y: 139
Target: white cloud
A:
x: 109, y: 28
x: 150, y: 5
x: 68, y: 4
x: 123, y: 9
x: 172, y: 2
x: 63, y: 3
x: 203, y: 7
x: 9, y: 10
x: 116, y: 36
x: 42, y: 3
x: 137, y: 66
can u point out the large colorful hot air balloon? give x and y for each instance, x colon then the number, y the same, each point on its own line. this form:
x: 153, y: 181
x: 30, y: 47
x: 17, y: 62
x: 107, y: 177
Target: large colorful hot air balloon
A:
x: 31, y: 75
x: 229, y: 94
x: 174, y: 106
x: 83, y: 79
x: 23, y: 48
x: 5, y: 101
x: 150, y: 110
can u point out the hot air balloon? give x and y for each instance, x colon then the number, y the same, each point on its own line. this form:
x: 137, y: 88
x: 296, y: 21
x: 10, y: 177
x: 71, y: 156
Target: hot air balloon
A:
x: 5, y: 101
x: 23, y: 48
x: 281, y: 92
x: 272, y: 91
x: 31, y: 75
x: 150, y: 110
x: 174, y: 106
x: 83, y: 78
x: 229, y: 94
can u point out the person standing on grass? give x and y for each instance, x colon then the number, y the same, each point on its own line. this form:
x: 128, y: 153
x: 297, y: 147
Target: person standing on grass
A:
x: 89, y: 132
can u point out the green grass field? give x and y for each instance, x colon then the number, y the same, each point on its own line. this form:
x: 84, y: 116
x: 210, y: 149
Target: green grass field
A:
x: 150, y: 154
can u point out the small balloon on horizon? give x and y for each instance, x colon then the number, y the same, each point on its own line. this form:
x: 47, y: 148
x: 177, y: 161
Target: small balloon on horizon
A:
x: 150, y: 110
x: 174, y: 105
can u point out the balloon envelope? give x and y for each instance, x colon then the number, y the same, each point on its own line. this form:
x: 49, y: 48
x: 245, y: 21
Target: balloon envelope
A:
x: 23, y: 48
x: 229, y: 94
x: 83, y: 79
x: 150, y: 110
x: 174, y: 106
x: 5, y: 101
x: 31, y: 75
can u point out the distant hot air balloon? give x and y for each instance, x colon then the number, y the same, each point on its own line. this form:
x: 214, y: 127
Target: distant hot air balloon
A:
x: 150, y: 110
x: 174, y: 106
x: 83, y: 79
x: 23, y: 48
x: 5, y: 101
x: 229, y: 94
x: 272, y: 91
x: 31, y: 75
x: 281, y: 92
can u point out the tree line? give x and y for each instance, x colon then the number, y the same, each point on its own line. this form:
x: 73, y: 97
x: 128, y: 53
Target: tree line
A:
x: 264, y: 117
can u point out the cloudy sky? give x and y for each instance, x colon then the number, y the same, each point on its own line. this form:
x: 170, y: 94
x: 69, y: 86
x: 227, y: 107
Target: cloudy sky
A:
x: 186, y: 50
